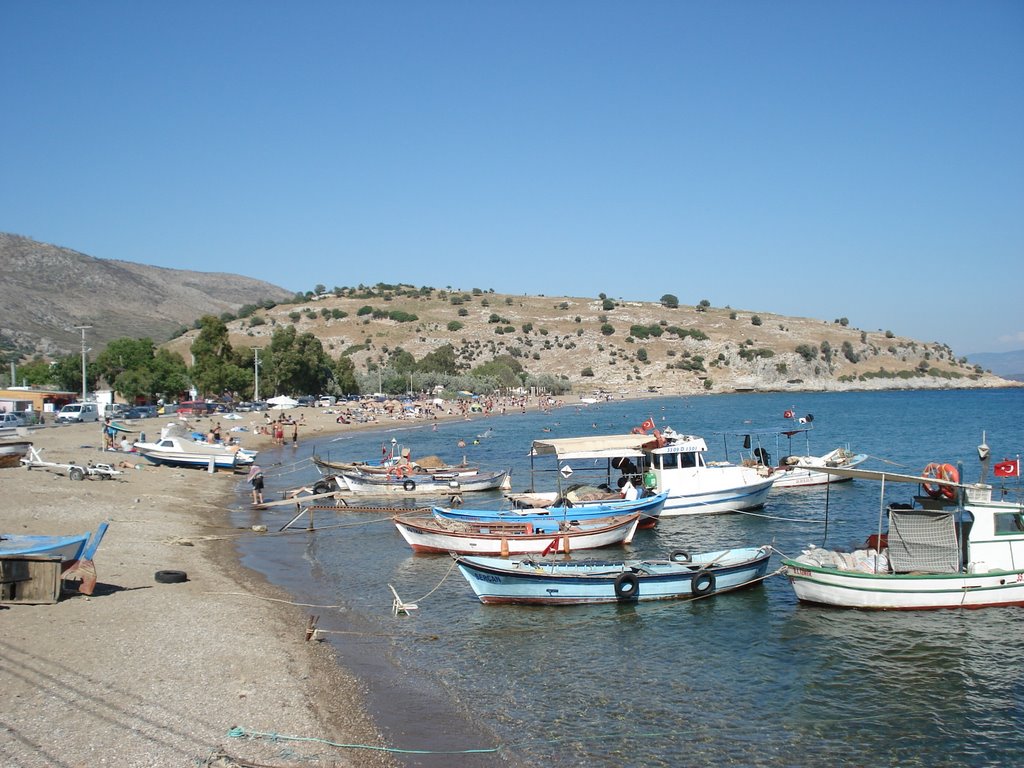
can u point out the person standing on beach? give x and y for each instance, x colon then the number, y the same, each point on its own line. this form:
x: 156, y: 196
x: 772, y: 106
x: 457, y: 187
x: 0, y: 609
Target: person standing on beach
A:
x: 295, y: 434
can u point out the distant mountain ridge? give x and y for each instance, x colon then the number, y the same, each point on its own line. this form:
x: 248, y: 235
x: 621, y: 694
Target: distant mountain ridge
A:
x: 47, y: 290
x: 1009, y: 365
x: 587, y: 343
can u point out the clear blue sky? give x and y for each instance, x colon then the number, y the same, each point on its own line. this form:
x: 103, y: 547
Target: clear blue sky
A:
x: 824, y: 159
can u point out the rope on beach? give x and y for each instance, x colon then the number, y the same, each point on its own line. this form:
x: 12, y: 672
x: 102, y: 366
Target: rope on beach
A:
x: 273, y: 599
x: 238, y: 732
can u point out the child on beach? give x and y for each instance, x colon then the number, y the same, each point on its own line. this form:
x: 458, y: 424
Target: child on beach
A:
x: 256, y: 480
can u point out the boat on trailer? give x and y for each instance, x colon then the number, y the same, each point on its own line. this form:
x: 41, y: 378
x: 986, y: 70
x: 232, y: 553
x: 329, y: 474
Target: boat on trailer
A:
x: 952, y: 547
x: 547, y: 582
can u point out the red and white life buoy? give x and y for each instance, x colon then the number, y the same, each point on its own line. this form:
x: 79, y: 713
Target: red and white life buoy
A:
x: 787, y: 415
x: 945, y: 472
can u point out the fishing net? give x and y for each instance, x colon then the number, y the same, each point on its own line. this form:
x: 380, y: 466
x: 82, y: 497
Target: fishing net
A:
x: 923, y: 541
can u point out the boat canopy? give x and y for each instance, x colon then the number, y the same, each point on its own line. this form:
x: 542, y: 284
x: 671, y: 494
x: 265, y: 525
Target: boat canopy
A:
x: 889, y: 477
x: 597, y: 447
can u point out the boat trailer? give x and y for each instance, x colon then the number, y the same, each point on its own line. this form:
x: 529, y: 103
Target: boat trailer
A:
x: 73, y: 471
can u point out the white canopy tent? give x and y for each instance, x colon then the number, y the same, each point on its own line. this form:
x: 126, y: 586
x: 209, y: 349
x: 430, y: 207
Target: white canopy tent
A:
x: 281, y: 402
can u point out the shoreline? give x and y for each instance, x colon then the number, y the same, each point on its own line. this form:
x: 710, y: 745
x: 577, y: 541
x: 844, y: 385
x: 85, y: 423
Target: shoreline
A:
x: 145, y: 673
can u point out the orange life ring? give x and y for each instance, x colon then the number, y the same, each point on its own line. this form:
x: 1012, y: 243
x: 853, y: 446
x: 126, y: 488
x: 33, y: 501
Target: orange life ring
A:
x: 941, y: 472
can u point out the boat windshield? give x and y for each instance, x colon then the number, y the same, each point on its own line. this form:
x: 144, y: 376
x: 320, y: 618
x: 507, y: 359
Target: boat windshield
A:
x: 676, y: 460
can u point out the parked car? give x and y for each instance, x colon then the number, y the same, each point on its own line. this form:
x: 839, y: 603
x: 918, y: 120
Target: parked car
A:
x: 116, y: 410
x: 76, y: 412
x: 140, y: 412
x: 326, y: 401
x: 11, y: 420
x: 306, y: 401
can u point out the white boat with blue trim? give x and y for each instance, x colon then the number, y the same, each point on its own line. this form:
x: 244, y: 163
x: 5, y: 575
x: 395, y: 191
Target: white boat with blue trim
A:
x: 556, y: 582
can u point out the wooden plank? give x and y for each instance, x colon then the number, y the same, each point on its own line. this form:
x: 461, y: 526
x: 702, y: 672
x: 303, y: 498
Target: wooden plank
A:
x: 30, y: 580
x: 294, y: 500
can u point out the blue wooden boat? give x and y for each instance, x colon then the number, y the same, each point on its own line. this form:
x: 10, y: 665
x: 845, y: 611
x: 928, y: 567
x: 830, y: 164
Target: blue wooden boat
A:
x: 649, y: 508
x: 556, y: 582
x: 69, y: 549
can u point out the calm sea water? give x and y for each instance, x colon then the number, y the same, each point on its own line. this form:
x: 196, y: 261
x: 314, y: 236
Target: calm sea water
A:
x: 748, y: 679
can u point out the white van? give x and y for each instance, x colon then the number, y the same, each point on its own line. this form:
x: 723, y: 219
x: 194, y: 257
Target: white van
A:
x: 79, y: 412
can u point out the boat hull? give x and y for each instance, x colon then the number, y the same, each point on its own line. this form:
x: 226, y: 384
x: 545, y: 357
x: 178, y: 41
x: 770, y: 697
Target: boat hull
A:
x: 854, y: 589
x: 507, y: 539
x: 67, y: 548
x: 701, y: 497
x: 496, y: 581
x: 419, y: 485
x: 12, y: 452
x: 175, y: 459
x: 649, y: 508
x: 805, y: 474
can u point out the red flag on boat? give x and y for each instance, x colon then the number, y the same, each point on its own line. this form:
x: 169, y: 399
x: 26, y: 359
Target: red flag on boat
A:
x: 647, y: 426
x: 552, y: 547
x: 1007, y: 469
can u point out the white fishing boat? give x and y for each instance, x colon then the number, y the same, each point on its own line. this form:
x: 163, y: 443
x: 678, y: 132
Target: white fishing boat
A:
x: 793, y: 469
x: 665, y: 462
x: 953, y: 547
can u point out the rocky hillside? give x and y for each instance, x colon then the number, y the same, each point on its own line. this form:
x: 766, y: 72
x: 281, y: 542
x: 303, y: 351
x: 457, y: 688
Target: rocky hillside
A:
x: 47, y: 290
x: 597, y: 344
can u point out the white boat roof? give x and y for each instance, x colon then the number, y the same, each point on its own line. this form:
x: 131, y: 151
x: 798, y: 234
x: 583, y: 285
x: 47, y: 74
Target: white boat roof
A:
x: 888, y: 477
x: 596, y: 447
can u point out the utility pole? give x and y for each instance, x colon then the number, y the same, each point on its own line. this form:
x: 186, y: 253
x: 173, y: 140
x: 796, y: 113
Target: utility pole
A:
x: 256, y: 371
x: 83, y: 329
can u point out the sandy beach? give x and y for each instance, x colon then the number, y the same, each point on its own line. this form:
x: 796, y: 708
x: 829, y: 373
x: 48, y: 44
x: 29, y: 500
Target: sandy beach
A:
x: 144, y: 673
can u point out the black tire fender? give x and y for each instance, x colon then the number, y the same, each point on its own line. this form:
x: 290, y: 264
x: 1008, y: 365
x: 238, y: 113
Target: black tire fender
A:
x: 322, y: 486
x: 703, y: 583
x: 409, y: 485
x: 170, y: 577
x: 627, y: 586
x: 679, y: 556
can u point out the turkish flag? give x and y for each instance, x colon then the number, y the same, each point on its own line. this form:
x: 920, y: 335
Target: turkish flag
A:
x: 647, y: 426
x: 1007, y: 469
